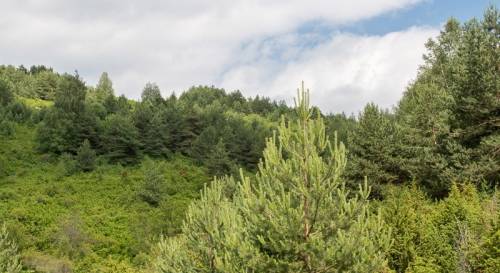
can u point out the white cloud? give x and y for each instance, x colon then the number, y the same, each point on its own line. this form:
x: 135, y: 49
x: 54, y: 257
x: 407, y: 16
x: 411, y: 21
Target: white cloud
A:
x: 344, y: 72
x: 248, y: 45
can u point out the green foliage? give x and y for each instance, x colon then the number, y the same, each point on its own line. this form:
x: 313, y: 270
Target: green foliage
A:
x: 104, y: 88
x: 69, y: 122
x: 66, y: 166
x: 85, y: 157
x: 375, y: 149
x: 151, y: 94
x: 449, y: 115
x: 87, y: 221
x: 341, y: 125
x: 7, y: 128
x: 153, y: 184
x: 119, y: 140
x: 70, y: 94
x: 218, y: 161
x: 18, y: 111
x: 448, y: 236
x: 10, y: 260
x: 295, y: 216
x: 46, y: 85
x: 6, y: 96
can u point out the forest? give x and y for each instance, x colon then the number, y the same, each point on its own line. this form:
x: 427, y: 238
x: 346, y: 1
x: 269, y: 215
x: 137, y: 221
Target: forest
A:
x: 209, y: 180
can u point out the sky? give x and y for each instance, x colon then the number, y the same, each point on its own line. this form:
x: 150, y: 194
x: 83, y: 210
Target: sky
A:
x: 348, y: 53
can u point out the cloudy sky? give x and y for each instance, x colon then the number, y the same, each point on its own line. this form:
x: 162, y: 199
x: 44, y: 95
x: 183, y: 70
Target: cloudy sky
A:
x: 347, y: 52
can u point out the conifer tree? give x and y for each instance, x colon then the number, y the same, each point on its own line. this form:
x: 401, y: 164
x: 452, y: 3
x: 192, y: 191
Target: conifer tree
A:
x: 10, y: 260
x: 218, y: 161
x: 119, y: 140
x: 294, y: 216
x: 6, y: 95
x: 85, y: 157
x: 375, y: 149
x: 151, y: 94
x: 104, y: 87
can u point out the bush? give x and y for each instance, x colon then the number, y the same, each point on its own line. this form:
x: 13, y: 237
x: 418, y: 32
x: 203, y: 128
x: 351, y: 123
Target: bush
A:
x: 10, y: 260
x: 151, y: 191
x: 66, y: 166
x: 7, y: 128
x: 18, y: 111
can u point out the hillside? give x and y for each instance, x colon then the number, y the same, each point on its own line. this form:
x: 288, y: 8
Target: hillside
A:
x: 213, y: 181
x: 90, y: 222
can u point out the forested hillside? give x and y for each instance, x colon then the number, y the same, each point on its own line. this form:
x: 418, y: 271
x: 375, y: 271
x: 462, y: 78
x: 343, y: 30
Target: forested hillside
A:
x: 211, y: 181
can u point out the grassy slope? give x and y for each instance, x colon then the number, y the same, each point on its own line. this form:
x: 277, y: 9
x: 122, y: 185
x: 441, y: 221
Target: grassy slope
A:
x: 93, y: 222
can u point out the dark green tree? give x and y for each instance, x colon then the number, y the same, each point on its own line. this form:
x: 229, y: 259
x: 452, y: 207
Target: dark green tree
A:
x: 375, y: 149
x: 46, y: 84
x: 120, y: 140
x: 70, y: 121
x: 85, y: 157
x: 151, y: 94
x: 70, y: 94
x: 6, y: 95
x: 204, y: 143
x: 218, y: 161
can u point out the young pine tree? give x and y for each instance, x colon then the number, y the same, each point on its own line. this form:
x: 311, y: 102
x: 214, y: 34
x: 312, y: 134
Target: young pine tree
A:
x: 294, y: 216
x: 10, y: 260
x: 85, y: 157
x: 104, y: 88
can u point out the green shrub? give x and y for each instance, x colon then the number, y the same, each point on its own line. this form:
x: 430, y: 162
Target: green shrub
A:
x: 7, y: 128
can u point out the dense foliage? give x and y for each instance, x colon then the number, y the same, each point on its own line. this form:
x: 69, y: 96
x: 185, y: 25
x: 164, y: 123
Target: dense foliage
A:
x: 295, y: 216
x: 90, y: 182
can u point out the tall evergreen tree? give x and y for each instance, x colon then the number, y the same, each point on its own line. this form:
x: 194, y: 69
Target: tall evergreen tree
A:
x: 294, y: 216
x: 375, y: 149
x: 449, y: 116
x: 69, y: 122
x: 151, y: 94
x: 120, y: 140
x: 218, y: 161
x: 104, y: 87
x: 46, y: 84
x: 85, y: 157
x: 6, y: 95
x: 70, y: 94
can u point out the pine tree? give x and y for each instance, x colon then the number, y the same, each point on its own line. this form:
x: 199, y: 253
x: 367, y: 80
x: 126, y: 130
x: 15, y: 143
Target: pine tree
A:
x: 104, y: 88
x: 70, y: 94
x: 6, y: 95
x: 70, y: 121
x: 449, y: 115
x: 204, y: 143
x: 85, y: 157
x: 294, y: 216
x: 218, y: 161
x: 10, y: 260
x: 120, y: 140
x: 151, y: 94
x: 46, y: 84
x: 156, y: 138
x: 423, y: 117
x: 375, y: 149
